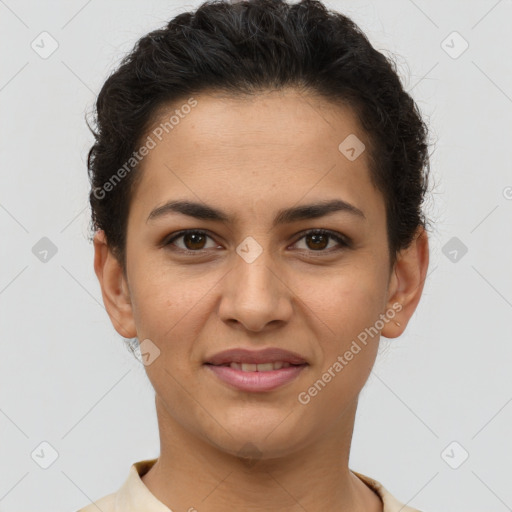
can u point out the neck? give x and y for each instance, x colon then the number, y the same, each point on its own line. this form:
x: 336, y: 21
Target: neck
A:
x: 192, y: 473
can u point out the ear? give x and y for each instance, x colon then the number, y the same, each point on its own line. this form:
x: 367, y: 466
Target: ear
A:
x: 114, y: 287
x: 406, y: 283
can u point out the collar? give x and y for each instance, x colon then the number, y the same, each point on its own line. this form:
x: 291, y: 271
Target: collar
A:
x: 134, y: 495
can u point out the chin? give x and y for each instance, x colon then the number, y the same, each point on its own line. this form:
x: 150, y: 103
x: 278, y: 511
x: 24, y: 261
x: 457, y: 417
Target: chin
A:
x: 264, y: 440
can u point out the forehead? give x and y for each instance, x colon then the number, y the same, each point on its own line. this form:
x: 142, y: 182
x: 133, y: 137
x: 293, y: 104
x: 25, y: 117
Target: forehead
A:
x: 273, y: 147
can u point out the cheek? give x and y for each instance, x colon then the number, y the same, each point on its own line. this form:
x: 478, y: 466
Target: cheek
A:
x: 171, y: 310
x: 162, y: 297
x: 153, y: 309
x: 350, y: 308
x: 346, y: 301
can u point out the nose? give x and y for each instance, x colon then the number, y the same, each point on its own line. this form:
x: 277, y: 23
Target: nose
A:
x: 255, y: 295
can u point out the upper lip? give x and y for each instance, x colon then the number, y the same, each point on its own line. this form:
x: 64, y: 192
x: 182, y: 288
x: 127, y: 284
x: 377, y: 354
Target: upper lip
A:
x: 267, y: 355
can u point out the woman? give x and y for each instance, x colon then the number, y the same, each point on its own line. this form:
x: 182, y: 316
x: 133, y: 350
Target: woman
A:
x: 257, y: 181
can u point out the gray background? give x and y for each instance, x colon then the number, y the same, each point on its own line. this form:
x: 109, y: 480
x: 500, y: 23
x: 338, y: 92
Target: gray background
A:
x: 65, y: 376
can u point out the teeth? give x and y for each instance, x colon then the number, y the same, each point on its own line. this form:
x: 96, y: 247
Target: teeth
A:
x: 263, y: 367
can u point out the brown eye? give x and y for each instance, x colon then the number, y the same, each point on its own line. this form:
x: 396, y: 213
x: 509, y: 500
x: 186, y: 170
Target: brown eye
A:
x: 318, y: 240
x: 315, y: 240
x: 193, y: 241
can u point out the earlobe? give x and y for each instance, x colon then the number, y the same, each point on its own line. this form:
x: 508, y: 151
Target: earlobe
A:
x: 406, y: 284
x: 114, y: 288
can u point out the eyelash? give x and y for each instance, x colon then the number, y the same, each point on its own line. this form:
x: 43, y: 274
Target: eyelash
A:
x: 343, y: 241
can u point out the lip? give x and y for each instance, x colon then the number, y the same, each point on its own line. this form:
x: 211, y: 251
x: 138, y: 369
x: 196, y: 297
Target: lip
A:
x: 267, y: 355
x: 256, y: 381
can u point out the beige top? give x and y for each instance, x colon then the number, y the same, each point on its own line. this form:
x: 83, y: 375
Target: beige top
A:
x: 134, y: 496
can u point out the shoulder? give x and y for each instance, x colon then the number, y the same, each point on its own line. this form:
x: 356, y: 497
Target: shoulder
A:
x: 132, y: 496
x: 390, y: 503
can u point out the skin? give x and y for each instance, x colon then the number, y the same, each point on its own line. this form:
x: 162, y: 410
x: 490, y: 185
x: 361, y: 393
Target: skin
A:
x: 240, y: 155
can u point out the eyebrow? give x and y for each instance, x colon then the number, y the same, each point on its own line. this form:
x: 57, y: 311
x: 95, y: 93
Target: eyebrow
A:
x: 284, y: 216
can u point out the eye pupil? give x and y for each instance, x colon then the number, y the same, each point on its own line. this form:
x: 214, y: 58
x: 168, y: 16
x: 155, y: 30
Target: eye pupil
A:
x: 193, y: 237
x: 315, y: 237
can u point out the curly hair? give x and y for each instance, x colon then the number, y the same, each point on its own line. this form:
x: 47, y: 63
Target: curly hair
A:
x: 248, y: 47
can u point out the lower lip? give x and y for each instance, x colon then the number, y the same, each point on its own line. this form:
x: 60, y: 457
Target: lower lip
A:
x: 256, y: 381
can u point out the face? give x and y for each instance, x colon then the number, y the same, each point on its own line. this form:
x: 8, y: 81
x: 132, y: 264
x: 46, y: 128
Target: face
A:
x: 258, y: 278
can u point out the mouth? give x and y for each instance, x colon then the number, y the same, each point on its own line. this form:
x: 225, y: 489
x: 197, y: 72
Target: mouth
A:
x: 256, y: 371
x: 262, y: 367
x: 267, y: 356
